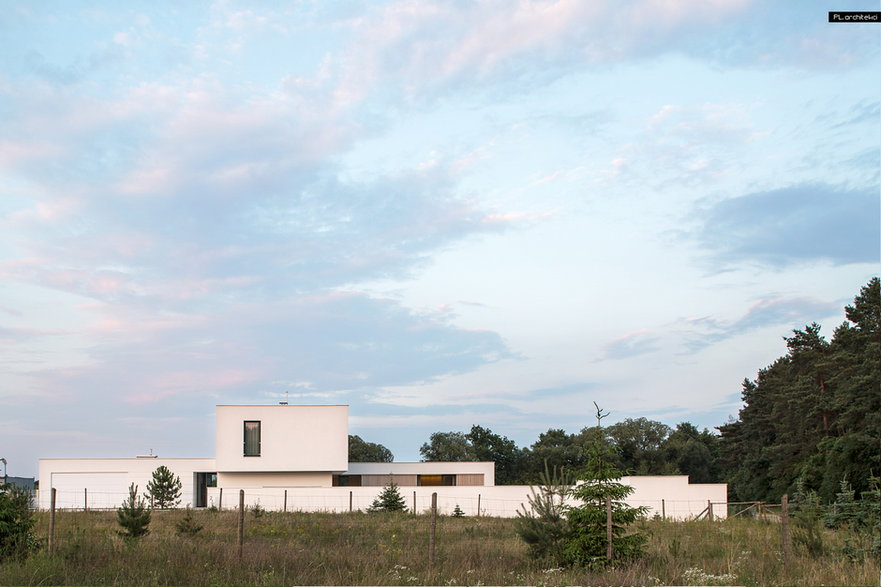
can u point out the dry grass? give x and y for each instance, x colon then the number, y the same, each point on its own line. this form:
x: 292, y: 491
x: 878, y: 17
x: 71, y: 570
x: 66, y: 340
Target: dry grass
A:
x: 392, y: 549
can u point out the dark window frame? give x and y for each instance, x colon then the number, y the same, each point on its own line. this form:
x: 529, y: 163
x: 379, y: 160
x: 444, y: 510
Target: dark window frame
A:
x: 245, y: 449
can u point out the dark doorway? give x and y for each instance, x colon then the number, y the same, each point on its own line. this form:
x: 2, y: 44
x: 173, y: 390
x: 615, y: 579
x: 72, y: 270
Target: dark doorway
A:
x: 203, y: 482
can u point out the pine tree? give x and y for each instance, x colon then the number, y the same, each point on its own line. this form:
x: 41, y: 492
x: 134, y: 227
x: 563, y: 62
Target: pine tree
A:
x: 389, y: 500
x: 187, y: 526
x: 133, y: 515
x: 586, y: 541
x: 164, y: 490
x: 16, y: 523
x: 543, y: 527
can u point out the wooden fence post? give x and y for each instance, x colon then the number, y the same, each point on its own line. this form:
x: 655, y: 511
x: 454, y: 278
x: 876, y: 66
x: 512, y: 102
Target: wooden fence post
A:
x: 285, y: 507
x: 663, y: 510
x: 432, y: 533
x: 85, y: 499
x: 478, y: 505
x: 241, y: 537
x: 709, y: 510
x: 784, y: 528
x: 414, y: 502
x: 51, y: 544
x: 609, y: 552
x: 350, y: 500
x: 220, y: 500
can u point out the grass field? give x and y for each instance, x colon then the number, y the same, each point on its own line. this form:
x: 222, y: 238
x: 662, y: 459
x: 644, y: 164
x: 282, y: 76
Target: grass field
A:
x: 392, y: 549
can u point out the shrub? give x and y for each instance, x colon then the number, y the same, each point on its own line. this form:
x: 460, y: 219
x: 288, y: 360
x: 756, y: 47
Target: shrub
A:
x: 17, y: 538
x: 133, y: 515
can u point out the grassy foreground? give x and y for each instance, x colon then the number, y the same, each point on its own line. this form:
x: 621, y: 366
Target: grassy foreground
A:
x: 389, y: 549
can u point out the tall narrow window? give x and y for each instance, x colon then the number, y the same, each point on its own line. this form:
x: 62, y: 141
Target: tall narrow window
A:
x: 252, y: 438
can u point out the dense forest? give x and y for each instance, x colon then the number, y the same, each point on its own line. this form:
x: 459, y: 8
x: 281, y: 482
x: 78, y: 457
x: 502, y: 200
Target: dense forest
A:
x: 812, y: 418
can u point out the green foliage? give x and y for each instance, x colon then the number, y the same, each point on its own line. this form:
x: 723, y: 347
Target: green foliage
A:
x: 163, y: 491
x: 447, y: 446
x: 361, y: 451
x: 807, y: 514
x: 543, y: 527
x: 388, y: 500
x: 587, y: 539
x: 257, y: 510
x: 457, y: 512
x: 133, y: 515
x: 489, y: 446
x: 578, y: 534
x: 814, y: 414
x: 187, y: 526
x: 480, y: 444
x: 17, y: 538
x: 639, y: 446
x: 361, y: 549
x: 557, y: 450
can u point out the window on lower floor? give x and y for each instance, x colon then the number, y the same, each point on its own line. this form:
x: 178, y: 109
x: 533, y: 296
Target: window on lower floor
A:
x: 347, y: 480
x: 252, y: 438
x: 435, y: 480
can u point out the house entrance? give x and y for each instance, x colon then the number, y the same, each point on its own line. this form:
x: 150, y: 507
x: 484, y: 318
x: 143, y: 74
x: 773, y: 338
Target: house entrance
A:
x: 203, y: 482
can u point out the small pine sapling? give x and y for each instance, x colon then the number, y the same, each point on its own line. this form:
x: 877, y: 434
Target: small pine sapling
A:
x: 457, y: 512
x: 133, y: 515
x: 187, y: 526
x: 389, y: 500
x: 543, y: 527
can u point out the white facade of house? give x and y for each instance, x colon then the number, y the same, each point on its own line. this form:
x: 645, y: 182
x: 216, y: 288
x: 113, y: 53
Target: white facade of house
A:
x: 295, y: 458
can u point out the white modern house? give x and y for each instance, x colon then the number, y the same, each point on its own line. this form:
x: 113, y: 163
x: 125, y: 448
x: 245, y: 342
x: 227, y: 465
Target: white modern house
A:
x: 296, y: 458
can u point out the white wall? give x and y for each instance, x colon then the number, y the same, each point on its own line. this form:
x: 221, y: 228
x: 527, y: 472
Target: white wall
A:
x: 264, y: 480
x: 681, y: 500
x: 104, y: 483
x: 107, y: 481
x: 293, y: 438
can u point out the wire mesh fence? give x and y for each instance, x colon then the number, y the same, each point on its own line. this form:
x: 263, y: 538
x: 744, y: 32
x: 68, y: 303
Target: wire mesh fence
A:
x: 493, y: 501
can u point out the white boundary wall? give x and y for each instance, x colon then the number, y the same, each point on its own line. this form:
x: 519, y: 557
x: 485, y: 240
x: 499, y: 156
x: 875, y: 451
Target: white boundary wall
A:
x: 104, y: 483
x: 671, y: 496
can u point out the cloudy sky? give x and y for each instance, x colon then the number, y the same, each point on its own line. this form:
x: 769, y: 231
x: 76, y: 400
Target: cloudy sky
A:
x: 442, y: 213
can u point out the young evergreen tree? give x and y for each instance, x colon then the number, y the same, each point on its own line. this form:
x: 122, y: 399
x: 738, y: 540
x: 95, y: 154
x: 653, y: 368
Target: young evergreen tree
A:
x: 16, y: 523
x: 543, y: 527
x: 389, y: 500
x: 187, y: 526
x: 133, y: 515
x: 164, y: 490
x: 586, y: 540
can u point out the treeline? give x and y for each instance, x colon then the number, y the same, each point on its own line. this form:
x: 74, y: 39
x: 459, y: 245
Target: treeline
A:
x: 812, y: 418
x: 640, y: 446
